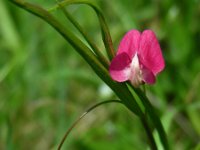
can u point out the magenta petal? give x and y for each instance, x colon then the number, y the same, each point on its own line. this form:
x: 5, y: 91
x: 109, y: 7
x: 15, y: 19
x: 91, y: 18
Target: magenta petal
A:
x: 130, y: 43
x: 150, y: 53
x: 119, y: 67
x: 148, y: 76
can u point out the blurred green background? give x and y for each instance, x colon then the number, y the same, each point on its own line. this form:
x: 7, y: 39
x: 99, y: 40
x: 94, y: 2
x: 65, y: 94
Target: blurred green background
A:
x: 45, y: 85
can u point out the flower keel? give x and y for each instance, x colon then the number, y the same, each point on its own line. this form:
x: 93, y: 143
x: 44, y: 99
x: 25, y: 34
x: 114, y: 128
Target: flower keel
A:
x: 135, y: 75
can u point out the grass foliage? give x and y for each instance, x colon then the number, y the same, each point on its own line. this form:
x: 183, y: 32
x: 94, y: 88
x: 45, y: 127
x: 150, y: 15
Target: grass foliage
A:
x: 45, y: 85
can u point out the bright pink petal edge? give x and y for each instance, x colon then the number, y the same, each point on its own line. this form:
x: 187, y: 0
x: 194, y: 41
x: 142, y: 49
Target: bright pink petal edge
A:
x: 150, y: 53
x: 129, y: 43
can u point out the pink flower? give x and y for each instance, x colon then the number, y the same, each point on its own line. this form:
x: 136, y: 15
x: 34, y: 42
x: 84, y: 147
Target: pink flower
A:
x: 139, y: 59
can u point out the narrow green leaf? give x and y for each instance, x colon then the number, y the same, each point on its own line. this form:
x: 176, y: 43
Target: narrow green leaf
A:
x: 82, y: 116
x: 85, y: 35
x: 8, y: 29
x: 155, y: 119
x: 104, y: 28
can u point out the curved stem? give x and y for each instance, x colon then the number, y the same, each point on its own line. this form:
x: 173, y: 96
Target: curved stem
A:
x: 143, y: 120
x: 146, y: 126
x: 85, y: 35
x: 85, y: 113
x: 149, y: 133
x: 153, y: 116
x: 104, y: 28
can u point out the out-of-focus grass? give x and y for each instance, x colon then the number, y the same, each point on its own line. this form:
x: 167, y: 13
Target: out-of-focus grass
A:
x: 45, y: 85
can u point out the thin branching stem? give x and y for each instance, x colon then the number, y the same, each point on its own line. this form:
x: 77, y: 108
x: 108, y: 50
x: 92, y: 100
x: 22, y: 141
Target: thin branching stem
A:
x: 104, y: 28
x: 147, y: 128
x: 85, y: 35
x: 153, y: 116
x: 83, y: 115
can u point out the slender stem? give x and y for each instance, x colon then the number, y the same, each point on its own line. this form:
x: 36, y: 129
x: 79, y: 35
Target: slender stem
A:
x: 146, y: 126
x: 153, y: 116
x: 149, y: 133
x: 143, y: 120
x: 85, y: 113
x: 144, y: 91
x: 85, y: 35
x: 156, y: 120
x: 104, y: 28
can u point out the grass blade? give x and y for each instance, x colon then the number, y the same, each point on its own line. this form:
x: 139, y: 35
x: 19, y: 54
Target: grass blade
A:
x: 104, y: 28
x: 82, y: 116
x: 155, y: 119
x: 85, y: 35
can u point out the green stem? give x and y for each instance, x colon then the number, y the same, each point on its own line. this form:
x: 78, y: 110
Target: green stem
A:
x: 145, y: 124
x: 149, y: 133
x: 143, y: 120
x: 104, y: 28
x: 85, y: 35
x: 83, y: 115
x: 153, y: 116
